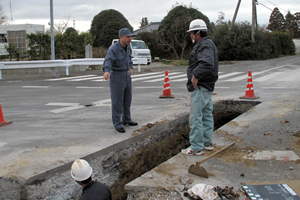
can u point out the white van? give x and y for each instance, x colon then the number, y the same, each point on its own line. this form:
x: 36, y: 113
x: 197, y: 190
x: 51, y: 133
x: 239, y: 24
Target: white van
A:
x: 139, y: 49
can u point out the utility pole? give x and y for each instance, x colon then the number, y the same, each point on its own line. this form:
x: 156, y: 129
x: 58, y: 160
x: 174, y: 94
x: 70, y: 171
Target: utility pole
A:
x: 254, y: 19
x: 52, y: 37
x: 236, y: 11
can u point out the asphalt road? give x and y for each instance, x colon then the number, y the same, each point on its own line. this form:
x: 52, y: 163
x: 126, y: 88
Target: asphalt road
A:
x: 56, y: 120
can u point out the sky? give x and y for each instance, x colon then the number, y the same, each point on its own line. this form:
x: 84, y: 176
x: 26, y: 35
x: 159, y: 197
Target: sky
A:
x: 82, y: 12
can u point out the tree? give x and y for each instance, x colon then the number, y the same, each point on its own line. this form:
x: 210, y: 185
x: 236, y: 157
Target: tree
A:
x: 12, y: 51
x: 276, y: 21
x: 144, y: 22
x: 39, y: 46
x: 296, y: 26
x: 172, y: 30
x: 106, y: 25
x: 3, y: 17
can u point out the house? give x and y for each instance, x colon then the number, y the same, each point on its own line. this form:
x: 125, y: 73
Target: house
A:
x: 16, y: 35
x: 148, y: 28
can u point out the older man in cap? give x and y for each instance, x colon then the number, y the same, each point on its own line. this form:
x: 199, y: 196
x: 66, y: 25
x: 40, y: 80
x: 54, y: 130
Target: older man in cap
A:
x: 117, y: 68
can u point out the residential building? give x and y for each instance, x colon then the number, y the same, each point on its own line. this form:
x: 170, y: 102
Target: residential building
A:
x: 16, y: 35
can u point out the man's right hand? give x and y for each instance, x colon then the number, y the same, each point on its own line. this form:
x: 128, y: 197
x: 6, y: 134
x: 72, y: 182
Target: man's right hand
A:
x: 106, y: 76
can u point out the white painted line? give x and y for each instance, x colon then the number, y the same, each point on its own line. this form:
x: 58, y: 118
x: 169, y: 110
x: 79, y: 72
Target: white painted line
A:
x: 75, y: 106
x: 36, y: 87
x: 147, y: 74
x: 264, y: 78
x: 70, y: 106
x: 136, y: 75
x: 276, y: 87
x: 105, y: 102
x: 180, y: 79
x: 230, y: 74
x: 85, y: 87
x: 67, y: 78
x: 149, y: 87
x: 171, y: 78
x: 270, y: 155
x: 2, y: 144
x: 89, y: 78
x: 159, y: 79
x: 253, y: 74
x: 290, y: 78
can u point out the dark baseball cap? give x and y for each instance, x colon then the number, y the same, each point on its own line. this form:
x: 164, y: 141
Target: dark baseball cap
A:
x: 125, y: 32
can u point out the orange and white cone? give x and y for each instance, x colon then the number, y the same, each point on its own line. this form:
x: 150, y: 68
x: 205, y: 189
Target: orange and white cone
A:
x: 249, y: 94
x: 167, y: 88
x: 3, y: 122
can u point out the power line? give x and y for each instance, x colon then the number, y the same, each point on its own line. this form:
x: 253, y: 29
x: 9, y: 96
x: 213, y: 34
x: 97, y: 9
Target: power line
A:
x: 264, y: 5
x: 276, y: 5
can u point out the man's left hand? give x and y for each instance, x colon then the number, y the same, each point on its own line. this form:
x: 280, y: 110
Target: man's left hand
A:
x: 130, y: 71
x: 194, y: 82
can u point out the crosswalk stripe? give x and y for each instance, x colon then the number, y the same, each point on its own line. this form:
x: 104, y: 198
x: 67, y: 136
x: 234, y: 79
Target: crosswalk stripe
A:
x: 170, y: 77
x: 266, y: 77
x: 150, y: 77
x: 67, y: 78
x: 230, y: 74
x: 89, y: 78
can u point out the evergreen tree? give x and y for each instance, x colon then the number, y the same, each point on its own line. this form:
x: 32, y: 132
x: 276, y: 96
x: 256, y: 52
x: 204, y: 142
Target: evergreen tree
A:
x: 276, y: 21
x: 106, y: 25
x: 172, y: 31
x: 296, y: 25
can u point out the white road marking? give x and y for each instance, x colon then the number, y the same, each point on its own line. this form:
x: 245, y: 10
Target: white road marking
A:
x: 149, y: 87
x: 67, y: 107
x: 170, y: 77
x: 67, y: 78
x: 230, y: 74
x: 157, y: 79
x: 75, y: 106
x: 36, y: 87
x: 266, y: 77
x: 86, y: 87
x: 88, y: 78
x: 270, y: 155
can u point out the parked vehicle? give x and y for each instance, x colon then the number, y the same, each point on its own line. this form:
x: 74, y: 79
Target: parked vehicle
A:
x: 139, y: 49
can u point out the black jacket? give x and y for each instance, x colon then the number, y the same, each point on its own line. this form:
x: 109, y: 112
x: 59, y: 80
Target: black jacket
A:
x: 203, y: 64
x: 96, y: 191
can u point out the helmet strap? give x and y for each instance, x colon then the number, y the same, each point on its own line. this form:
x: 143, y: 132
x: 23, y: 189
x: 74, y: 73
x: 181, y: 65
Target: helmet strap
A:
x: 194, y: 36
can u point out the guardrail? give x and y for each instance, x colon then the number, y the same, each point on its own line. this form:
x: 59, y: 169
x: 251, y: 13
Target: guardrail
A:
x: 61, y: 63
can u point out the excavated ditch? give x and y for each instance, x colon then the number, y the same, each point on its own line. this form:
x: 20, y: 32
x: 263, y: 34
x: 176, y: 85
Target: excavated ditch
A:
x: 122, y: 162
x: 158, y: 150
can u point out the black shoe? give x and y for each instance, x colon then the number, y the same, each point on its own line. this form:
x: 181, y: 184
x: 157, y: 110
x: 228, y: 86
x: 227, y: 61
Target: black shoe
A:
x: 121, y: 130
x: 131, y: 123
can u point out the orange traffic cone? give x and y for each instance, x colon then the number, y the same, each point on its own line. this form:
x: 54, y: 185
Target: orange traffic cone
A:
x: 3, y: 122
x: 249, y: 94
x: 167, y: 88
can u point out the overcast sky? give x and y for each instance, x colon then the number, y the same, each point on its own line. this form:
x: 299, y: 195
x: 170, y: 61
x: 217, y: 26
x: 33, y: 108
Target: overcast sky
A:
x: 38, y: 11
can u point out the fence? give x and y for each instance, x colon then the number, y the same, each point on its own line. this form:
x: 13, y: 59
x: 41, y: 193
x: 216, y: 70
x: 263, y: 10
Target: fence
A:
x: 61, y: 63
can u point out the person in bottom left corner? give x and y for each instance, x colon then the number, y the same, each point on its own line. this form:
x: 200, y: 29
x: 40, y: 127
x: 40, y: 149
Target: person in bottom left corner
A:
x: 81, y: 172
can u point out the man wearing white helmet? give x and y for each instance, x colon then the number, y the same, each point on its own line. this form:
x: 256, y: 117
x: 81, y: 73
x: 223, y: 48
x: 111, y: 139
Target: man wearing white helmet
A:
x: 81, y: 172
x: 202, y: 75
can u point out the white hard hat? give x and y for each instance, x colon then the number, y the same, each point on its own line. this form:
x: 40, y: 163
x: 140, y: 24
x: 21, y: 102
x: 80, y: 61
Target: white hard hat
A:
x: 81, y: 170
x: 197, y: 24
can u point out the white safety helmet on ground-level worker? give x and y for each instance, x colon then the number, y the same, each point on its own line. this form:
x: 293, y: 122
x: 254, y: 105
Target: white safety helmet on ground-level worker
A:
x: 81, y: 170
x: 197, y: 24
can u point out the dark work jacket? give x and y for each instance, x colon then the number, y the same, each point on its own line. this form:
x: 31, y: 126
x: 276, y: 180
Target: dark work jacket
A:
x: 203, y: 64
x: 96, y: 191
x: 118, y: 58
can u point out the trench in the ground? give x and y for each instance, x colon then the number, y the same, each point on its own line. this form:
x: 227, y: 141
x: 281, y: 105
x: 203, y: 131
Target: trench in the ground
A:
x: 148, y: 158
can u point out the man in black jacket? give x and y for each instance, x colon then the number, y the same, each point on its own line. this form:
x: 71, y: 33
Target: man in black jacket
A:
x: 81, y: 172
x: 202, y: 75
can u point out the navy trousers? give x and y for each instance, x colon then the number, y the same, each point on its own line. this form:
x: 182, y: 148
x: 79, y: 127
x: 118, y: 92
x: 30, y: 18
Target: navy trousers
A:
x: 121, y: 96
